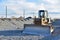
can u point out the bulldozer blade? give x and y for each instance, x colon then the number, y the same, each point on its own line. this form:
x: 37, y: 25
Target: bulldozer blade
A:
x: 36, y: 30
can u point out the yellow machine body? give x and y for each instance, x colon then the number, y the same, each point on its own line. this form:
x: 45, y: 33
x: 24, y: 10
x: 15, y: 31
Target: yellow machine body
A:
x: 42, y: 19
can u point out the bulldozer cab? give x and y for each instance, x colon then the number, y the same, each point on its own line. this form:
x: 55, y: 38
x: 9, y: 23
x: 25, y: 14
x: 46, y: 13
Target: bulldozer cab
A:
x: 43, y: 14
x: 42, y: 18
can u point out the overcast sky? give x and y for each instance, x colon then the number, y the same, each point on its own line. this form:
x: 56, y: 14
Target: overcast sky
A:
x: 16, y: 7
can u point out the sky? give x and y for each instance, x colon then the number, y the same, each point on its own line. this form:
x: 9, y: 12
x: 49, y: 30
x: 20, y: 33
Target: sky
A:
x: 30, y: 7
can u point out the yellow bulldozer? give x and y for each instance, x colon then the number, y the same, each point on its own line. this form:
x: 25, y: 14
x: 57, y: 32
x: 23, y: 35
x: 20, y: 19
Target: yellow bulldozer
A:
x: 41, y: 22
x: 42, y: 18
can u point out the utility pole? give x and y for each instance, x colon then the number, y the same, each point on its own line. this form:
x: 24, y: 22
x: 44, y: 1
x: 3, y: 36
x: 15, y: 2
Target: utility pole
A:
x: 24, y: 13
x: 33, y: 15
x: 6, y: 11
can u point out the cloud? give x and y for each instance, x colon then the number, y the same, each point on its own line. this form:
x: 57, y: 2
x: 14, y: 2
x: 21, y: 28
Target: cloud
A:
x: 54, y: 16
x: 52, y: 5
x: 52, y: 1
x: 18, y: 6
